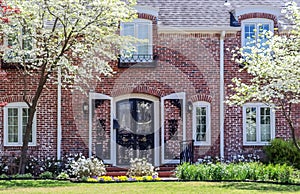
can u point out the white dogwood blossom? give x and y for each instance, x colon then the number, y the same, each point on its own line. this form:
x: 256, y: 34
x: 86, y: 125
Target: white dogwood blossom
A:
x: 78, y: 38
x: 274, y: 68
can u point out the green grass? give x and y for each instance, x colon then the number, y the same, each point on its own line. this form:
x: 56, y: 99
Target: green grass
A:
x: 57, y: 187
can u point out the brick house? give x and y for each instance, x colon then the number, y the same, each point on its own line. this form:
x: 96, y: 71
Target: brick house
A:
x: 169, y: 92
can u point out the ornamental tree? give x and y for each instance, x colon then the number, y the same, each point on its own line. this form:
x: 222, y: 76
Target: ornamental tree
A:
x: 274, y: 66
x: 75, y: 37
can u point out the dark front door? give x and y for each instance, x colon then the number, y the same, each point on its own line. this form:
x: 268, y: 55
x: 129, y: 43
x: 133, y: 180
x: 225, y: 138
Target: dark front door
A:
x: 135, y: 137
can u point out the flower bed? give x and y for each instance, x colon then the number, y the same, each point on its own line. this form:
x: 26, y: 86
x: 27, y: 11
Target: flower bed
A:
x: 108, y: 179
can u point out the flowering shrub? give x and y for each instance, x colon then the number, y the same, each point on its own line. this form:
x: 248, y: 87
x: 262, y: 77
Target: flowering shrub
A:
x: 234, y: 159
x: 87, y: 167
x: 63, y: 175
x: 140, y: 167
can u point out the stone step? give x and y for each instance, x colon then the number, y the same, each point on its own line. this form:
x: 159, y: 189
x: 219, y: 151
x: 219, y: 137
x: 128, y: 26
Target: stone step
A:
x: 163, y: 171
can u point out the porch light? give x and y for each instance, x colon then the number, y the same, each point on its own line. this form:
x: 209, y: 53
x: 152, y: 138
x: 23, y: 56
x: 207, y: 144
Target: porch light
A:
x: 189, y: 106
x: 85, y: 108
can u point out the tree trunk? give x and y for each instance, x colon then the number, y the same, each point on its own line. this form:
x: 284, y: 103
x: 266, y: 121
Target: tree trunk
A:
x: 23, y: 158
x: 32, y: 110
x: 287, y: 117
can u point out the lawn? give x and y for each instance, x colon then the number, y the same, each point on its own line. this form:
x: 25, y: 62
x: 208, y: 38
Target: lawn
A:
x: 40, y: 186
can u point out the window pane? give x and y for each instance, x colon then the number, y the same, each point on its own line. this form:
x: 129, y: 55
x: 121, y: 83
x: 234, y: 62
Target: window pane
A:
x: 251, y: 124
x: 26, y: 39
x: 265, y: 124
x: 12, y: 125
x: 128, y: 29
x: 201, y: 129
x: 143, y: 35
x: 25, y: 115
x: 263, y: 28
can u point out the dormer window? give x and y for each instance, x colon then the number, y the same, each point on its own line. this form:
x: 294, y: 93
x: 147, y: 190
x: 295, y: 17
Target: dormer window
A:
x: 141, y: 50
x: 253, y: 31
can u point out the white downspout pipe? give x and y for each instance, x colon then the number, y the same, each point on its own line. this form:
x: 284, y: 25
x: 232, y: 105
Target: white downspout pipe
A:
x: 59, y: 130
x: 222, y: 37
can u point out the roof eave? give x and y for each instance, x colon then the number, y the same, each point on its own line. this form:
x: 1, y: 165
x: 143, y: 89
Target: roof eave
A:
x: 182, y: 30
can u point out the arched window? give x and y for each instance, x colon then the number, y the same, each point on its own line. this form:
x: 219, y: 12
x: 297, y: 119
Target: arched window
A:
x: 141, y: 29
x: 253, y: 30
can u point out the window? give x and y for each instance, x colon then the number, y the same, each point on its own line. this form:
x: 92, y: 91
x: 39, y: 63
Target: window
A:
x: 258, y: 124
x: 22, y: 40
x: 15, y: 120
x: 201, y: 123
x: 142, y: 30
x: 252, y: 31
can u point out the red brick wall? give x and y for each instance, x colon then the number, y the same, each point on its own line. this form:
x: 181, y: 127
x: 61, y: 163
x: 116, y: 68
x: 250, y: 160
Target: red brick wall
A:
x: 233, y: 114
x: 188, y: 62
x: 11, y: 91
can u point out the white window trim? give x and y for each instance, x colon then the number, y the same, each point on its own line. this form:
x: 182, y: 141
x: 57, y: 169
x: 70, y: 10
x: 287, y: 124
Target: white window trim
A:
x: 258, y: 132
x: 149, y: 32
x: 208, y: 121
x: 18, y: 105
x: 255, y: 21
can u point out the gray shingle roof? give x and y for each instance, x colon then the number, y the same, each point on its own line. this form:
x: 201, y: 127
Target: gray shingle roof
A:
x: 203, y: 13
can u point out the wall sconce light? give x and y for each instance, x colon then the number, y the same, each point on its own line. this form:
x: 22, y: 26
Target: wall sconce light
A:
x: 227, y: 3
x: 189, y: 106
x: 85, y: 108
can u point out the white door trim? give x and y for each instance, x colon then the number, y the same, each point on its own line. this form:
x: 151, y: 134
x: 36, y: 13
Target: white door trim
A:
x: 181, y: 96
x: 93, y: 96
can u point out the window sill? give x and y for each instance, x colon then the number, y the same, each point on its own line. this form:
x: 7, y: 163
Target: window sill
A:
x: 18, y: 145
x: 256, y: 143
x: 202, y: 144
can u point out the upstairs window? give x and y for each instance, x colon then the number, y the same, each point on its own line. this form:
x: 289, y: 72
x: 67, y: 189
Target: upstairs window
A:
x: 258, y: 124
x: 15, y: 121
x: 20, y: 40
x: 253, y: 31
x: 140, y: 29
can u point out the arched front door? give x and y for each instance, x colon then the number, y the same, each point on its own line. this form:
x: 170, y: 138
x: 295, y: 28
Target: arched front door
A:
x: 135, y: 136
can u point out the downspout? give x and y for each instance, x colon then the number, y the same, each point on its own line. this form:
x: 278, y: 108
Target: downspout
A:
x: 59, y: 131
x: 222, y: 37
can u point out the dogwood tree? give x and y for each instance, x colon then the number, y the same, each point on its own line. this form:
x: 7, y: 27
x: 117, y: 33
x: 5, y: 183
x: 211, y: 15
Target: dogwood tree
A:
x: 274, y: 65
x: 75, y: 37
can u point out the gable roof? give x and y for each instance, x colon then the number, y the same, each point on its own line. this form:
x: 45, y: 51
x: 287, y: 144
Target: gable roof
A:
x: 207, y: 13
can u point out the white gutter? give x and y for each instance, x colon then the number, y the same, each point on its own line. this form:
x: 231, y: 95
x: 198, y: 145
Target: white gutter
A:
x: 59, y: 131
x: 222, y: 37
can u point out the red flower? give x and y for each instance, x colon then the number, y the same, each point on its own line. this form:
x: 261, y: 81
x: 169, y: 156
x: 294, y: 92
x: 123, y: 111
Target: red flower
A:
x: 5, y: 20
x: 17, y: 11
x: 3, y: 104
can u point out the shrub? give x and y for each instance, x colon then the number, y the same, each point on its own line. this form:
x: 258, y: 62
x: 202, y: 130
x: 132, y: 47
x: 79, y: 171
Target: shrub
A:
x: 87, y: 167
x: 140, y: 167
x: 63, y: 176
x: 283, y: 152
x: 46, y: 175
x: 3, y: 176
x: 22, y: 176
x: 240, y: 171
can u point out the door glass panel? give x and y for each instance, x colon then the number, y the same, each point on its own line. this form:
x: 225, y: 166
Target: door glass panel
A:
x: 135, y: 137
